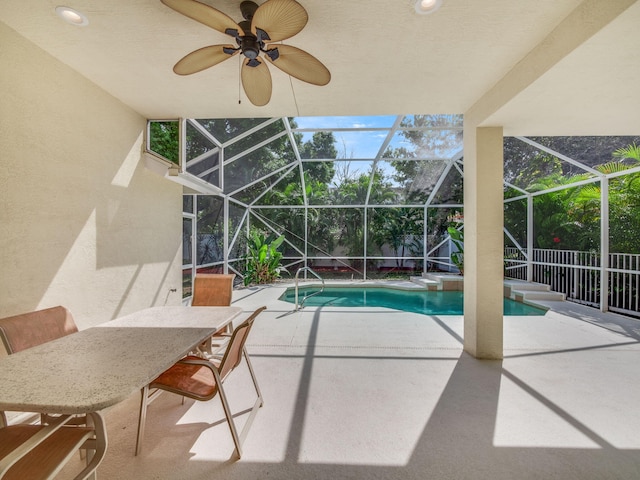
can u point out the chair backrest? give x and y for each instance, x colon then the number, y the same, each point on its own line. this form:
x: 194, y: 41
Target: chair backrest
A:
x: 41, y: 451
x: 233, y: 353
x: 34, y: 328
x: 212, y: 290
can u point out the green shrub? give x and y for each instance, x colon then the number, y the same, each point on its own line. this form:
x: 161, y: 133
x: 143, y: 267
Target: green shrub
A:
x: 263, y: 258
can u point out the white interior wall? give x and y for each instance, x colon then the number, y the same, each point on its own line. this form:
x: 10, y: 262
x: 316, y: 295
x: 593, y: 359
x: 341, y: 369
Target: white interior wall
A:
x: 84, y: 224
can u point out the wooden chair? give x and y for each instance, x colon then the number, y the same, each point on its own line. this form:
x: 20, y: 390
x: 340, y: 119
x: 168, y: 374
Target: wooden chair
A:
x: 39, y: 452
x: 202, y: 379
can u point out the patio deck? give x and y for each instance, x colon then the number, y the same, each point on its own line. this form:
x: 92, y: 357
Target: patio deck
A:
x: 371, y: 393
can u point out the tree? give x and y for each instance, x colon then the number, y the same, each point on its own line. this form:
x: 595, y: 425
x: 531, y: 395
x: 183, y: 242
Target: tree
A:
x: 437, y: 136
x: 316, y: 176
x: 353, y: 190
x: 321, y: 146
x: 624, y: 201
x: 570, y: 218
x: 164, y: 140
x: 397, y: 228
x: 433, y: 137
x: 590, y: 151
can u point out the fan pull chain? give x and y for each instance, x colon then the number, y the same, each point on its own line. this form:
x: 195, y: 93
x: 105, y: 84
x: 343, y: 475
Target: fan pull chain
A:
x: 239, y: 77
x: 293, y: 92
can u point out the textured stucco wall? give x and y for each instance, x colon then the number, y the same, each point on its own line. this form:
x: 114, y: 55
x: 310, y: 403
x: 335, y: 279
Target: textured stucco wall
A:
x: 83, y: 223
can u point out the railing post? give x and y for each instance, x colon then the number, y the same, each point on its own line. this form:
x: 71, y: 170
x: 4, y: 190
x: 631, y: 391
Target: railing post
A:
x: 529, y: 238
x: 604, y: 244
x: 577, y: 273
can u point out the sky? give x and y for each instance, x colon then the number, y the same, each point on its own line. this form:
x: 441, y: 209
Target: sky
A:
x: 360, y: 144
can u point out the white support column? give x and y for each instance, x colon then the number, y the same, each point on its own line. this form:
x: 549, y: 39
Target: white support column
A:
x: 225, y: 241
x: 424, y: 241
x: 306, y: 238
x: 247, y: 231
x: 364, y: 239
x: 483, y: 242
x: 193, y: 219
x: 182, y: 142
x: 604, y: 244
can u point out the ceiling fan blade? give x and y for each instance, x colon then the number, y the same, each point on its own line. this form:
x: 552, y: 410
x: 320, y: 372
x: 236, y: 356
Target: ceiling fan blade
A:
x: 204, y: 14
x: 280, y: 19
x: 256, y: 82
x: 203, y: 58
x: 300, y: 64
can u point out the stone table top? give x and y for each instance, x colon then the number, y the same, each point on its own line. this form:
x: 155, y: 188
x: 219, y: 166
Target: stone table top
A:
x: 101, y: 366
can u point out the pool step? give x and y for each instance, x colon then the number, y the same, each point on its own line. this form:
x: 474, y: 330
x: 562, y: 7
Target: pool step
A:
x: 514, y: 289
x: 439, y: 281
x: 523, y: 291
x: 424, y: 282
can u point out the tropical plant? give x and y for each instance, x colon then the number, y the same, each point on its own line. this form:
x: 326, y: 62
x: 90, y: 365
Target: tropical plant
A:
x: 631, y: 152
x: 263, y: 258
x: 457, y: 257
x: 570, y: 218
x: 397, y: 228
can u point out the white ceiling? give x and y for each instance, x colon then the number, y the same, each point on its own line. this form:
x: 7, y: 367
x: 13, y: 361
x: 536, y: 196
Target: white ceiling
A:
x: 544, y: 67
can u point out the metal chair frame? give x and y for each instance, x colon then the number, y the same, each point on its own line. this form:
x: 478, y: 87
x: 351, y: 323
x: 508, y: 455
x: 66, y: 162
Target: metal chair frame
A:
x: 220, y: 370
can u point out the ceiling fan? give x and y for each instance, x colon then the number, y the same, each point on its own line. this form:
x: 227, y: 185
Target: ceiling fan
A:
x: 273, y: 21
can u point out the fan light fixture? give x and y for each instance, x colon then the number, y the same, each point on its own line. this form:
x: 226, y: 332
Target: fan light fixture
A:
x: 72, y: 16
x: 424, y: 7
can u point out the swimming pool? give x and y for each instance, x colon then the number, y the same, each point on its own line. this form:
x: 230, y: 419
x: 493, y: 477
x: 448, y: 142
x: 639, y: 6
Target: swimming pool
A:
x: 417, y: 301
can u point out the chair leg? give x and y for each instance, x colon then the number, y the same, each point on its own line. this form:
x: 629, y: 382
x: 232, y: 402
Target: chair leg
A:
x: 145, y: 400
x: 253, y: 376
x: 258, y: 402
x: 98, y: 446
x: 228, y: 414
x: 238, y: 439
x: 142, y: 417
x: 86, y: 454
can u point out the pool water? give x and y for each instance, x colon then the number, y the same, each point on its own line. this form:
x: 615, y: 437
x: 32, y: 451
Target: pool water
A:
x: 417, y: 301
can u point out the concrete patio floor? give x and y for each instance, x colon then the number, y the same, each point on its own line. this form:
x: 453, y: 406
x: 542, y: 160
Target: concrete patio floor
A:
x: 370, y: 393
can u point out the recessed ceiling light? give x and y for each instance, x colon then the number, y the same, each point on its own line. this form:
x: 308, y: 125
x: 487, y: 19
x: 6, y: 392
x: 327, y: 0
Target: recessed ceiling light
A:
x: 423, y: 7
x: 72, y: 16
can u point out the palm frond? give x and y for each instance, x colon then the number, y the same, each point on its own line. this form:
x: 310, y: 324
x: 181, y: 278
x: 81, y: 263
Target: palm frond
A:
x: 613, y: 167
x: 631, y: 152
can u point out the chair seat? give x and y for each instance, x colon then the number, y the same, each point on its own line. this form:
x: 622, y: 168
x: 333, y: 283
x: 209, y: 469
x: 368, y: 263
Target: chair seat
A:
x: 195, y: 381
x: 46, y: 459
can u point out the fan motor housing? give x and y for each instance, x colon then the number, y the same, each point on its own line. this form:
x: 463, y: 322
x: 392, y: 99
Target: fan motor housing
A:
x: 250, y: 46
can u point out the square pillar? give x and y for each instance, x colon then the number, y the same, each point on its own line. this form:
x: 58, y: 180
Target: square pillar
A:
x: 483, y: 241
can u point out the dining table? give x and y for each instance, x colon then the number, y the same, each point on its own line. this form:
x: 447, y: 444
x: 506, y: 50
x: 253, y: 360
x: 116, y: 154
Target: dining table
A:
x: 98, y: 367
x: 93, y: 369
